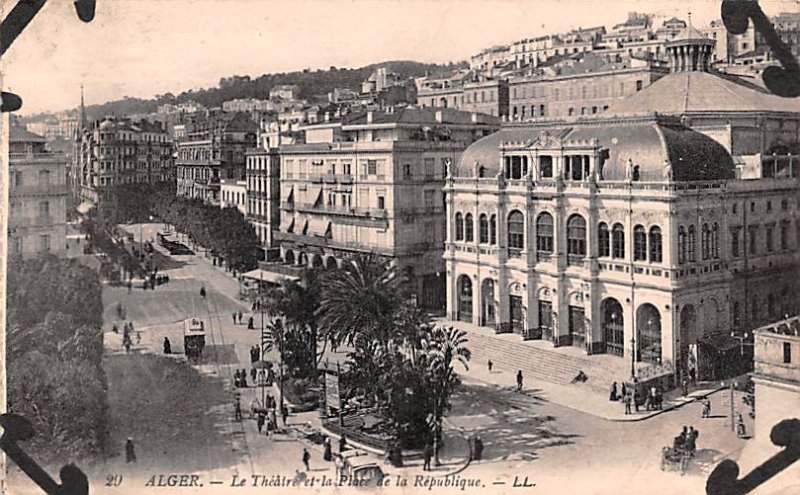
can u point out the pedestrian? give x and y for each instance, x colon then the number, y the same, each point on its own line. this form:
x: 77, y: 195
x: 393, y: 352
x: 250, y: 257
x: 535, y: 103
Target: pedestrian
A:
x: 260, y: 421
x: 253, y: 374
x: 114, y: 328
x: 243, y: 378
x: 126, y: 342
x: 203, y: 291
x: 635, y: 398
x: 130, y: 452
x: 138, y: 338
x: 237, y: 410
x: 306, y: 458
x: 623, y: 393
x: 167, y: 346
x: 741, y: 430
x: 257, y: 353
x: 691, y: 441
x: 285, y: 415
x: 627, y: 401
x: 130, y: 286
x: 342, y: 443
x: 327, y: 454
x: 273, y: 420
x: 685, y: 385
x: 234, y: 317
x: 613, y: 395
x: 240, y: 317
x: 519, y: 381
x: 478, y: 448
x: 706, y: 408
x: 236, y: 381
x: 253, y: 307
x: 489, y: 365
x: 426, y: 456
x: 250, y: 323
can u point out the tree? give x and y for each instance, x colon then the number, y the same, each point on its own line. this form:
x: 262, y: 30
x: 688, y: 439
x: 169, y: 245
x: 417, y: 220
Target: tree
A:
x: 446, y: 347
x: 360, y: 302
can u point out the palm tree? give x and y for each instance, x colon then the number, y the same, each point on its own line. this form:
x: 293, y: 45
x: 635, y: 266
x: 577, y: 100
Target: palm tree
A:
x: 446, y: 347
x: 360, y: 302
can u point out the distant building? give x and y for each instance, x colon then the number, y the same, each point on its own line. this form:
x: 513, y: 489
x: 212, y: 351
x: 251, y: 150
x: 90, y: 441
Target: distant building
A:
x: 285, y: 92
x: 115, y: 151
x: 186, y: 107
x: 233, y: 194
x: 38, y: 192
x: 375, y: 186
x: 471, y: 91
x: 213, y: 149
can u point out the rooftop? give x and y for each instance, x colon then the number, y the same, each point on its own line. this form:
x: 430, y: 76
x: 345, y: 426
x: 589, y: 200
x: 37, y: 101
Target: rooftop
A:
x: 19, y: 134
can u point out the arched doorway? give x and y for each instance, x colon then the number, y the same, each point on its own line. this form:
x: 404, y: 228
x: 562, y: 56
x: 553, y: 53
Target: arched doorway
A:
x: 488, y: 313
x: 710, y: 316
x: 688, y: 335
x: 613, y: 327
x: 330, y: 263
x: 288, y: 256
x: 648, y: 323
x: 464, y: 299
x: 302, y: 259
x: 316, y: 261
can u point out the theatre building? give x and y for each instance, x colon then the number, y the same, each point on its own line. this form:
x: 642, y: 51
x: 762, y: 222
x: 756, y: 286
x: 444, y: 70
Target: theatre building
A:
x: 636, y: 235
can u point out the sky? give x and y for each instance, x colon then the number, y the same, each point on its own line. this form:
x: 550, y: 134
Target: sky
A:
x: 142, y: 48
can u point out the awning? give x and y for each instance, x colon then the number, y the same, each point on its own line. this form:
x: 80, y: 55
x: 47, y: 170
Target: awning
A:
x: 313, y: 195
x: 304, y: 227
x: 265, y: 276
x: 84, y: 208
x: 319, y: 226
x: 287, y: 224
x: 288, y: 194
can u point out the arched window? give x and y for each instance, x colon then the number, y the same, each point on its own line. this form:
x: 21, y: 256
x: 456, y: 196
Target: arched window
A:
x: 544, y: 233
x: 603, y: 240
x: 656, y: 249
x: 459, y: 227
x: 692, y: 244
x: 576, y: 236
x: 681, y: 244
x: 516, y: 232
x: 493, y: 230
x: 468, y: 228
x: 483, y: 230
x: 705, y: 241
x: 715, y: 240
x: 618, y: 241
x: 639, y: 243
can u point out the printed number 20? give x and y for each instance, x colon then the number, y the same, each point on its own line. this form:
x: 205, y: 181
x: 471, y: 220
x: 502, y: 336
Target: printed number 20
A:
x: 113, y: 480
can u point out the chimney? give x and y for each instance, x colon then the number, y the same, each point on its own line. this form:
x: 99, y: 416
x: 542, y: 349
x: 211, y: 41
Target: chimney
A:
x: 369, y: 117
x: 438, y: 116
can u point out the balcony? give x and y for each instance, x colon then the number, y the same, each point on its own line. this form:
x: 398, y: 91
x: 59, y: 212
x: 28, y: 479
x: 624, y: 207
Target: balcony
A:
x: 39, y: 190
x: 301, y: 240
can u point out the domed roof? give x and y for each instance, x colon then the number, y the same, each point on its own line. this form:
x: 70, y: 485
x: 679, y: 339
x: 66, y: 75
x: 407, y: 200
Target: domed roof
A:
x: 690, y: 34
x: 697, y: 91
x: 649, y: 143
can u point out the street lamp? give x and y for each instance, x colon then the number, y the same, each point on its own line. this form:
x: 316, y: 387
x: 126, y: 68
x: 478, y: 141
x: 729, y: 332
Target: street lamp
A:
x: 742, y: 342
x: 633, y: 358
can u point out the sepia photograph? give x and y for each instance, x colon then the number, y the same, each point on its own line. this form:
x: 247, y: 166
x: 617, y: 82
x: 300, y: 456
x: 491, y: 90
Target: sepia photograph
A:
x: 523, y: 247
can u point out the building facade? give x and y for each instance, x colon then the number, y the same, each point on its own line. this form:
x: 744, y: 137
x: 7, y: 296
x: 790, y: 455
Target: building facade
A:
x: 633, y: 235
x: 37, y: 216
x: 263, y: 195
x: 233, y: 194
x: 377, y: 190
x: 115, y: 151
x: 213, y: 149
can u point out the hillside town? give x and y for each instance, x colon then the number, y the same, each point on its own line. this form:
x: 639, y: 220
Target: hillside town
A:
x: 570, y: 255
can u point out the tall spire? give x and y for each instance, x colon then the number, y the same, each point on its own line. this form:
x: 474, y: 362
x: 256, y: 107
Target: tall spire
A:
x: 83, y: 111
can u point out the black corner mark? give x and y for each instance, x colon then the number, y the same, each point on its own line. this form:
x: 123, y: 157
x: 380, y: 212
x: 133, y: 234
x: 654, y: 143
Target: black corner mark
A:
x: 783, y: 81
x: 724, y: 479
x: 18, y: 429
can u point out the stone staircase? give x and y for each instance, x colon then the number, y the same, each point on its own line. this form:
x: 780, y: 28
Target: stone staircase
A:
x: 540, y: 361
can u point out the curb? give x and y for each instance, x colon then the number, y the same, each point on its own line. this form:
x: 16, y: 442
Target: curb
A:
x: 623, y: 420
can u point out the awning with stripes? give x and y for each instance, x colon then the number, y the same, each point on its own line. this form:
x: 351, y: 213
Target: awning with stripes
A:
x: 288, y: 194
x: 287, y: 225
x: 319, y: 226
x: 314, y: 195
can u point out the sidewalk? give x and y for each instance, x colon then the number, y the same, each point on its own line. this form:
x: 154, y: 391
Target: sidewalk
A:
x: 577, y: 396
